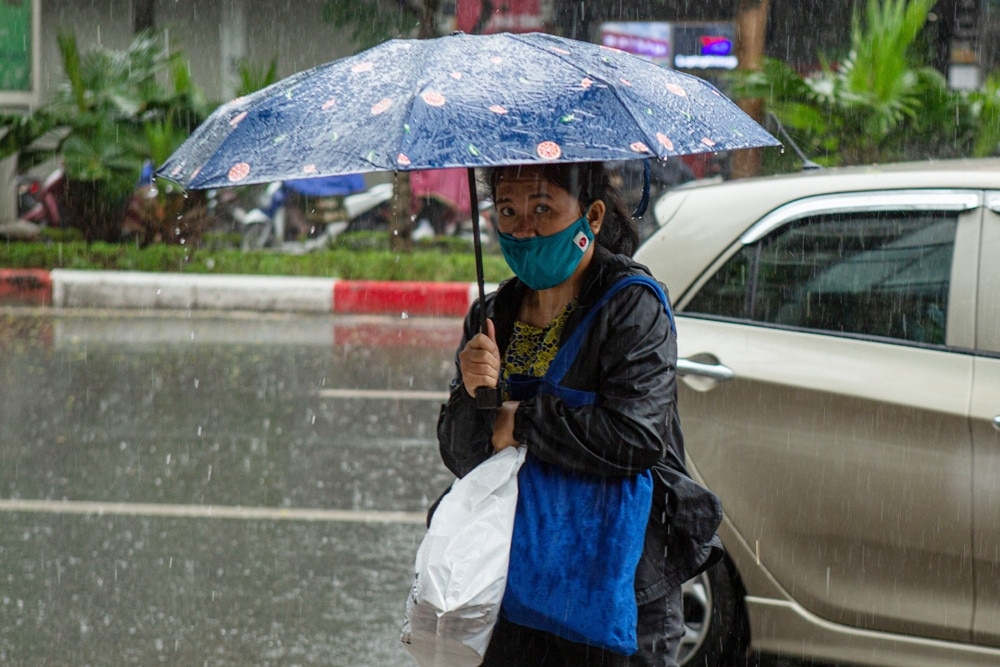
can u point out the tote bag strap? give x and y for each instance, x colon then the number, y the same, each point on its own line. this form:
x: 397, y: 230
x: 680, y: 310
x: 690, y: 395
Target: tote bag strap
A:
x: 571, y: 347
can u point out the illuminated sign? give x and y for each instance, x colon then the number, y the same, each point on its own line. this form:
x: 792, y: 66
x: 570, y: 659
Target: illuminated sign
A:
x: 705, y: 46
x: 690, y: 46
x: 649, y: 39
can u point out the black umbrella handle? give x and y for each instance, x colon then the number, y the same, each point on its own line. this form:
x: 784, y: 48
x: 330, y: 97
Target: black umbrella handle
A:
x: 486, y: 397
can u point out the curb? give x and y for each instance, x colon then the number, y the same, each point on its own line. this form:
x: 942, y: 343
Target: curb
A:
x: 62, y: 288
x: 26, y: 287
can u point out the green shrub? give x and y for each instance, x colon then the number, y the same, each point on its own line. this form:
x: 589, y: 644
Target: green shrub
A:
x: 343, y: 261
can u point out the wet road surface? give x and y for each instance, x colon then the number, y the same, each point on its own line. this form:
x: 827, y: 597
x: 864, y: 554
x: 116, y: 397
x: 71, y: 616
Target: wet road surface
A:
x: 213, y: 489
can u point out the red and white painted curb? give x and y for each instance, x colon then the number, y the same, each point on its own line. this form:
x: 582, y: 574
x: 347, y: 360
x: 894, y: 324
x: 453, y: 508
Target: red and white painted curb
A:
x: 62, y: 288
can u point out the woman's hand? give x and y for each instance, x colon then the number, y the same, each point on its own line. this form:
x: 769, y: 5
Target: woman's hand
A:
x: 480, y: 361
x: 503, y: 426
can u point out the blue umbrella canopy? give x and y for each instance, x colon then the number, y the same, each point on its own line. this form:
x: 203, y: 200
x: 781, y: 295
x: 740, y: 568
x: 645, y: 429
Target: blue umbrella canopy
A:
x: 461, y: 101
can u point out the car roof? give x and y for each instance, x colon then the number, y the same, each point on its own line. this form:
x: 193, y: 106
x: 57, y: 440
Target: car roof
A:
x: 704, y: 219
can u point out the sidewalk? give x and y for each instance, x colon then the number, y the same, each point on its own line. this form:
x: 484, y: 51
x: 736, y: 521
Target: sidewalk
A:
x: 176, y: 291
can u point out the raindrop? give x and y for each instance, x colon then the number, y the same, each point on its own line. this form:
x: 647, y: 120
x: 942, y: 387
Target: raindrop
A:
x: 196, y: 382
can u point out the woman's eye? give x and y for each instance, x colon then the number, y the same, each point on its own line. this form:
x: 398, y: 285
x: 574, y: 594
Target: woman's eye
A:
x: 506, y: 211
x: 541, y: 208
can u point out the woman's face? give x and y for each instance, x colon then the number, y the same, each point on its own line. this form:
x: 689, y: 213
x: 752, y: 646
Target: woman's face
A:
x: 529, y: 205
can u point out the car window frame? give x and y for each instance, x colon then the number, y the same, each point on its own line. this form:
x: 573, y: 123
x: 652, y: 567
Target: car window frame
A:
x: 987, y: 342
x: 967, y: 204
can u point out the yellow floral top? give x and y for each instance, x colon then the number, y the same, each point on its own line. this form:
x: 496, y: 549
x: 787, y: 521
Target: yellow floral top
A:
x: 531, y: 350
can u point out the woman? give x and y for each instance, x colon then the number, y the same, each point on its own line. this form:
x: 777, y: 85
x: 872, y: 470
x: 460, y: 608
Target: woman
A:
x: 567, y: 237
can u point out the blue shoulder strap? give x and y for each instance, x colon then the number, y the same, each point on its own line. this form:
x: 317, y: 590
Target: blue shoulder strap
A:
x: 571, y: 347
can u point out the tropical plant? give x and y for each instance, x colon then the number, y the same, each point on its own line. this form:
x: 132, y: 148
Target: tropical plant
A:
x: 985, y: 107
x: 119, y: 117
x: 253, y: 77
x: 880, y: 102
x: 19, y: 131
x: 374, y: 21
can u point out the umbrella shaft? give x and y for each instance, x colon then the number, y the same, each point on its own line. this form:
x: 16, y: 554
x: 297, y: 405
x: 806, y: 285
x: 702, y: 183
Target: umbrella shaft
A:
x: 477, y: 244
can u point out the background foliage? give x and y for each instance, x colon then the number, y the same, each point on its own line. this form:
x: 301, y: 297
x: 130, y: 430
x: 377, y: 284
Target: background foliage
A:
x: 356, y: 256
x: 881, y: 102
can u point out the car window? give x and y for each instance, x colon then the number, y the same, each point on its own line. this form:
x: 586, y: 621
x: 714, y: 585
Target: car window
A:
x: 879, y: 273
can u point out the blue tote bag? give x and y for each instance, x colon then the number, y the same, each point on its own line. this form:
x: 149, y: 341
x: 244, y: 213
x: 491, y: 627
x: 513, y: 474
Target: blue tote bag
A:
x: 577, y: 538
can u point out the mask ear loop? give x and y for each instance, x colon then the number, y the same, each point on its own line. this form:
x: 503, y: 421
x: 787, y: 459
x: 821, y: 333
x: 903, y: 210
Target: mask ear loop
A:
x: 644, y: 202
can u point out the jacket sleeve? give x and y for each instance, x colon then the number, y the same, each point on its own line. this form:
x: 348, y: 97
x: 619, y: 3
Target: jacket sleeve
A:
x: 629, y: 359
x: 463, y: 429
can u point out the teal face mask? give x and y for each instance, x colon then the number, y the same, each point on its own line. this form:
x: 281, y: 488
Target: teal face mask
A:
x: 542, y: 262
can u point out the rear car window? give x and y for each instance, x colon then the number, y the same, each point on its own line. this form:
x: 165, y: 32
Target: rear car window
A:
x: 874, y: 273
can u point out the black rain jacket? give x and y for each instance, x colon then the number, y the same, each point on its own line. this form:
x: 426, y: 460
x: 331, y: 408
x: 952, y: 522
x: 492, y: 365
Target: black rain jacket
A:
x: 629, y: 357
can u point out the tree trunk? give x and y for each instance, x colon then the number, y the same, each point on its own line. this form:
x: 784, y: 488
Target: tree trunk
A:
x: 143, y: 15
x: 400, y: 224
x: 8, y: 188
x: 428, y: 19
x: 751, y: 31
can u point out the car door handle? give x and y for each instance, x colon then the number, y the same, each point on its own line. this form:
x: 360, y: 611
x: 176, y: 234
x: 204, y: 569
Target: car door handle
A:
x: 711, y: 370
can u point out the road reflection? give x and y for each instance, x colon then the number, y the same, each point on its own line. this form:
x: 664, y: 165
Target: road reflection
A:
x: 214, y: 489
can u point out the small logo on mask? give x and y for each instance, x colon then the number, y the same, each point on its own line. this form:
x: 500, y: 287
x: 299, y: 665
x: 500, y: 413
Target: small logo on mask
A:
x: 581, y: 241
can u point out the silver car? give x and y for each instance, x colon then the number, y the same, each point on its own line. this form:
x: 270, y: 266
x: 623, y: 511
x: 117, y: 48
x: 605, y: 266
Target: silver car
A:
x: 839, y: 335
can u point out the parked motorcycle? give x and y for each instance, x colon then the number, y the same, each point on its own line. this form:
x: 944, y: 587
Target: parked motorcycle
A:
x: 39, y: 197
x: 285, y: 219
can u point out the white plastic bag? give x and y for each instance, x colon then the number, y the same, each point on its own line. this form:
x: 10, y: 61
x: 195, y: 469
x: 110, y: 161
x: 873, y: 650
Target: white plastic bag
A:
x: 461, y: 566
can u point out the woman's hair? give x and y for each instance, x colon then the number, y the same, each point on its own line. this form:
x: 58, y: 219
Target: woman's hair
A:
x: 588, y: 182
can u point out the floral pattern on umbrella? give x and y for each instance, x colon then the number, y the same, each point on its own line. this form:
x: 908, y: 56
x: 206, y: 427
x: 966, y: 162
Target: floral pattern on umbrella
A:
x: 462, y: 101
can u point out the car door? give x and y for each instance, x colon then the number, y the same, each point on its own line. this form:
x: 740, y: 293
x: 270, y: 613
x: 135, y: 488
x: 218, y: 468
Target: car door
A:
x: 841, y: 446
x: 986, y: 432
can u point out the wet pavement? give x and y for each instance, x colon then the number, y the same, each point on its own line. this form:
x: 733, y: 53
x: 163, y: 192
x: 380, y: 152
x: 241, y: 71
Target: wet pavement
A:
x: 311, y: 439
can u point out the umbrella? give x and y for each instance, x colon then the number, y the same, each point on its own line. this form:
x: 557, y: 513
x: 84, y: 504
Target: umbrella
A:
x: 461, y: 101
